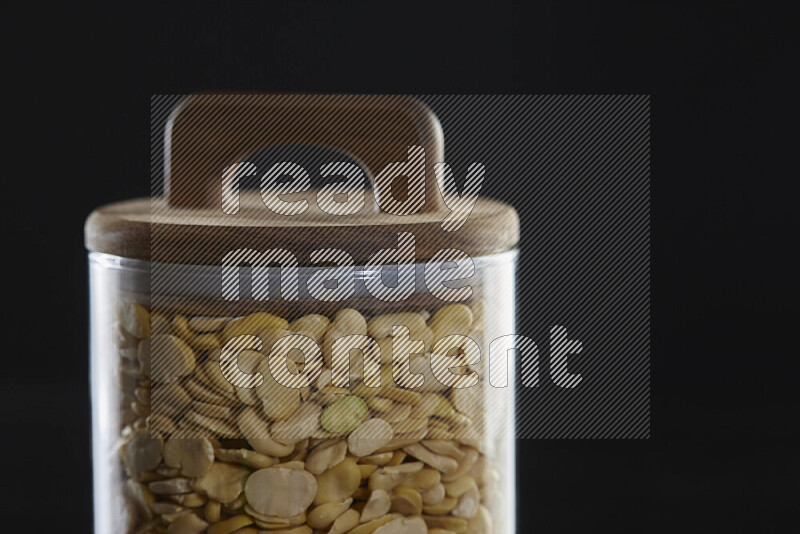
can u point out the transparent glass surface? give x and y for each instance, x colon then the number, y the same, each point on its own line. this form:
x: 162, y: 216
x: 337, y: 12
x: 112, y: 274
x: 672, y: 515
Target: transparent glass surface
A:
x: 188, y: 440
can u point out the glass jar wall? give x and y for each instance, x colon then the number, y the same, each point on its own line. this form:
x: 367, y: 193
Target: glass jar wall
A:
x: 181, y: 447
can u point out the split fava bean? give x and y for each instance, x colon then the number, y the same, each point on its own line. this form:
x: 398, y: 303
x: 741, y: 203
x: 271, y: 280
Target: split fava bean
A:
x: 281, y: 492
x: 230, y: 525
x: 370, y: 436
x: 338, y: 483
x: 171, y: 358
x: 377, y: 506
x: 324, y: 515
x: 192, y: 456
x: 358, y: 448
x: 223, y: 482
x: 187, y: 524
x: 403, y: 525
x: 326, y: 456
x: 345, y: 522
x: 252, y: 324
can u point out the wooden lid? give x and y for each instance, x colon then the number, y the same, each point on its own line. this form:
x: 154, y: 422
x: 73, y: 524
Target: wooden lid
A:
x: 208, y: 134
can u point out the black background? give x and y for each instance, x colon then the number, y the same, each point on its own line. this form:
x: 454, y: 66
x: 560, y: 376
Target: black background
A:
x: 723, y: 452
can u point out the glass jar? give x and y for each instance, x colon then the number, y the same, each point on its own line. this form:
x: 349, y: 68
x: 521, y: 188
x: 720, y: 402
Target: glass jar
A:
x: 218, y: 413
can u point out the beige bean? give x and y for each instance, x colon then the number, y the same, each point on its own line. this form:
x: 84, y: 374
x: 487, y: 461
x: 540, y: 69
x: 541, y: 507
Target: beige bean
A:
x: 202, y: 324
x: 171, y: 358
x: 252, y: 459
x: 169, y: 518
x: 139, y: 497
x: 444, y: 447
x: 377, y: 506
x: 468, y: 401
x: 481, y: 523
x: 456, y: 524
x: 406, y: 501
x: 345, y: 522
x: 229, y: 525
x: 159, y: 323
x: 403, y: 525
x: 378, y: 459
x: 223, y: 482
x: 351, y: 321
x: 324, y: 515
x: 388, y: 478
x: 456, y: 488
x: 338, y: 483
x: 438, y: 432
x: 299, y: 426
x: 252, y: 324
x: 187, y: 524
x: 142, y: 395
x: 134, y: 319
x: 409, y: 425
x: 279, y: 401
x: 142, y: 453
x: 361, y: 494
x: 280, y: 492
x: 192, y: 456
x: 189, y: 500
x: 207, y: 341
x: 464, y: 465
x: 302, y: 529
x: 161, y: 508
x: 269, y: 336
x: 326, y: 456
x: 366, y: 470
x: 369, y: 437
x: 273, y: 520
x: 312, y: 326
x: 451, y: 319
x: 400, y: 412
x: 247, y: 362
x: 424, y: 479
x: 404, y: 440
x: 434, y: 495
x: 381, y: 326
x: 444, y: 507
x: 210, y: 373
x: 144, y: 356
x: 256, y: 432
x: 203, y: 393
x: 170, y: 486
x: 217, y: 427
x: 293, y: 464
x: 212, y: 511
x: 432, y: 404
x: 445, y: 464
x: 378, y: 404
x: 468, y: 503
x: 212, y: 410
x: 344, y: 415
x: 371, y: 526
x: 480, y: 471
x: 180, y: 328
x: 469, y: 436
x: 404, y: 396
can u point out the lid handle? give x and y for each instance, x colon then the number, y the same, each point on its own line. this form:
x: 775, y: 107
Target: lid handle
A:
x: 209, y: 132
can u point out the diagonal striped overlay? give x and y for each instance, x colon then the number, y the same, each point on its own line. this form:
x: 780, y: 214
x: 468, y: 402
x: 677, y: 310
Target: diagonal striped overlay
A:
x: 577, y: 170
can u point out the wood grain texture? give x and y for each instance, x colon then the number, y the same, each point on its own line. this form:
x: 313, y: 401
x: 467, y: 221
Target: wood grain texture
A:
x: 150, y: 229
x: 210, y: 131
